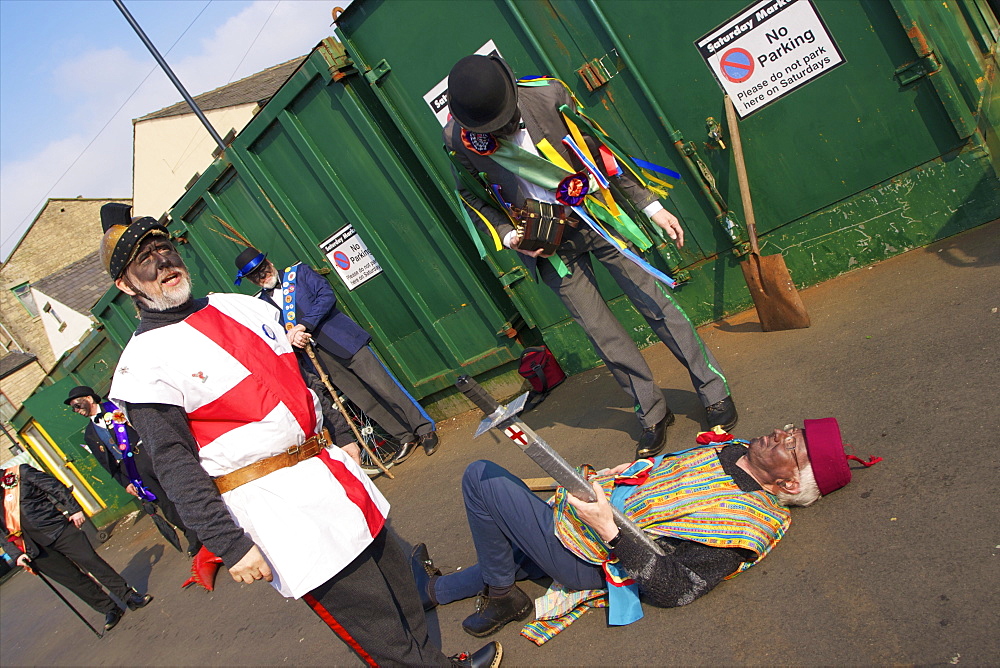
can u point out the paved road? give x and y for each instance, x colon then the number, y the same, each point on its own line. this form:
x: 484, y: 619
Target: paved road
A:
x: 902, y: 566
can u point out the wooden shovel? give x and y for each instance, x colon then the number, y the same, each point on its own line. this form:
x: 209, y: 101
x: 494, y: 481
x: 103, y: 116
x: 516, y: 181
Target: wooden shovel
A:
x: 774, y: 295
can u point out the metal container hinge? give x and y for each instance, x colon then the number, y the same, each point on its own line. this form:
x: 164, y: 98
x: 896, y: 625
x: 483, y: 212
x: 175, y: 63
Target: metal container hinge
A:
x: 595, y: 72
x: 918, y: 69
x: 380, y: 70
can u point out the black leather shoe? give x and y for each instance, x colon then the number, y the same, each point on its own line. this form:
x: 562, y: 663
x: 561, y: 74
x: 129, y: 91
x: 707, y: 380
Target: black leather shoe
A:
x: 493, y: 612
x: 423, y: 569
x: 136, y: 600
x: 654, y: 438
x: 487, y: 656
x: 430, y: 442
x: 405, y: 451
x: 723, y: 414
x: 112, y: 618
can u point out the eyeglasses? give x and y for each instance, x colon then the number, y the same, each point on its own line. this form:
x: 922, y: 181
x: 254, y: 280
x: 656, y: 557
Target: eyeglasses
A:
x: 78, y: 405
x: 789, y: 441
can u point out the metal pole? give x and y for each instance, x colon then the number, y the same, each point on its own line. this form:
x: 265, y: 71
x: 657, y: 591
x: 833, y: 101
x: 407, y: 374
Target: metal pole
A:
x: 170, y: 74
x: 63, y: 598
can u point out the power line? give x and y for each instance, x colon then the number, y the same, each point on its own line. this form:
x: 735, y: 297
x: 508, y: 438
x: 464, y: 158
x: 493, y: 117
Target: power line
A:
x: 247, y: 53
x: 104, y: 127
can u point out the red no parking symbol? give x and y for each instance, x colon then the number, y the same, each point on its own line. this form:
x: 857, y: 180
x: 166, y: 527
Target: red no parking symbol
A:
x: 736, y: 65
x: 343, y: 262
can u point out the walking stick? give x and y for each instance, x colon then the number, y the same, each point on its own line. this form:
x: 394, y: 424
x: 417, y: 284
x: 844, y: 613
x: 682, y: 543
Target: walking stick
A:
x: 343, y: 411
x: 68, y: 604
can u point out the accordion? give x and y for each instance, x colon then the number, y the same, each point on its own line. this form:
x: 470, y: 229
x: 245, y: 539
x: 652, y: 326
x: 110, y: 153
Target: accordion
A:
x: 541, y: 225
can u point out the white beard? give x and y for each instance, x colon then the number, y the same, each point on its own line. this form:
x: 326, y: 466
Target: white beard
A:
x: 271, y: 283
x: 171, y: 297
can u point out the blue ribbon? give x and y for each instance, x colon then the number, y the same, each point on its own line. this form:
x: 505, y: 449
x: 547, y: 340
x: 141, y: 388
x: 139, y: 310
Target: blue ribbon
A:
x: 653, y: 167
x: 128, y: 454
x: 248, y: 267
x: 288, y: 278
x: 640, y: 262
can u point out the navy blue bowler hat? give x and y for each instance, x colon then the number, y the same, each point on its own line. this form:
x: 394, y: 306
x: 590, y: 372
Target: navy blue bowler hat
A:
x: 246, y: 262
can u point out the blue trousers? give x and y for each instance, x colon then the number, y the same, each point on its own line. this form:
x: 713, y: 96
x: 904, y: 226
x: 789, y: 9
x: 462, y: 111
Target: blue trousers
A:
x: 514, y: 535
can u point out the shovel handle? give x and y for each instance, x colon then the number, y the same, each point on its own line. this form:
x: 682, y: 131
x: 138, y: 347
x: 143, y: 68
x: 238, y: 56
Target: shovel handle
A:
x: 741, y: 174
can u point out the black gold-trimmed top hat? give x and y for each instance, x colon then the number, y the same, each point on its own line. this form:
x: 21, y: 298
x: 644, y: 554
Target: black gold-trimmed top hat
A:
x: 246, y: 262
x: 122, y: 236
x: 482, y: 93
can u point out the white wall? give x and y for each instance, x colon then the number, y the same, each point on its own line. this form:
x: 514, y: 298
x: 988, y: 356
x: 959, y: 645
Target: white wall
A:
x: 167, y: 152
x: 61, y: 338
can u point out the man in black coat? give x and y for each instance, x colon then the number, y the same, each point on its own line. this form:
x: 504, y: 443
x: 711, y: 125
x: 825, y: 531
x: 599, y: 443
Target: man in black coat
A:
x: 104, y: 445
x: 40, y: 537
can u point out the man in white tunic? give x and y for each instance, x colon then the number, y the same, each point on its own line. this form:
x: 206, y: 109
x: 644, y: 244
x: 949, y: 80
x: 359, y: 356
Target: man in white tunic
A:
x: 234, y: 433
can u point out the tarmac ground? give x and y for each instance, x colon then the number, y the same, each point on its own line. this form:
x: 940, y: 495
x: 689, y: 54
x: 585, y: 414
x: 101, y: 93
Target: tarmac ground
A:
x: 900, y: 567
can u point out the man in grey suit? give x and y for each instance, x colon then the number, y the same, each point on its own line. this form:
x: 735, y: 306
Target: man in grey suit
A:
x: 496, y: 121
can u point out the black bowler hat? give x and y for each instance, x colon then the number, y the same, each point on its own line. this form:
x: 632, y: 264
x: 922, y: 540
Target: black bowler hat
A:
x: 82, y: 391
x: 482, y: 95
x: 122, y: 236
x: 246, y: 262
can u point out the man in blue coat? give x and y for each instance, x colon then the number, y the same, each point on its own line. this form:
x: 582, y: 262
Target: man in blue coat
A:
x: 309, y: 311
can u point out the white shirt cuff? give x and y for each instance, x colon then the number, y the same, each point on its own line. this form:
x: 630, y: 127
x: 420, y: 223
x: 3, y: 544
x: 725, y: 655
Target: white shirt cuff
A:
x: 653, y: 208
x: 509, y: 239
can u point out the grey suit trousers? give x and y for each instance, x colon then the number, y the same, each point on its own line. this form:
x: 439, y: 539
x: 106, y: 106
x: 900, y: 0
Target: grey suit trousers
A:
x: 580, y: 295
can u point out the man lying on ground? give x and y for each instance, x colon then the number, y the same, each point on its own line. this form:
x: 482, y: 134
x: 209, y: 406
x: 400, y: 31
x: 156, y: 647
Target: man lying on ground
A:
x: 714, y: 510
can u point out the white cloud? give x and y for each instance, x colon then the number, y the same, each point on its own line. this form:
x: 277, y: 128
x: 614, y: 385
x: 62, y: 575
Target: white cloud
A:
x: 91, y: 85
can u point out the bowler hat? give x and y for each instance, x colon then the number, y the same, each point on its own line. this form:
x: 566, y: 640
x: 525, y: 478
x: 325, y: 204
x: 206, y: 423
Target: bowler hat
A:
x: 482, y: 93
x: 246, y: 262
x: 122, y: 236
x: 82, y: 391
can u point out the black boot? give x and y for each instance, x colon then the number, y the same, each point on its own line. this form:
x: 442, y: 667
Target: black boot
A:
x: 405, y: 451
x: 493, y: 612
x: 424, y: 574
x: 653, y: 438
x: 722, y: 414
x: 487, y: 656
x: 112, y: 618
x: 136, y: 600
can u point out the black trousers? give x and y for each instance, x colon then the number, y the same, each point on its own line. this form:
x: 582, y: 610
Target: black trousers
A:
x: 67, y: 561
x: 373, y: 606
x: 144, y: 465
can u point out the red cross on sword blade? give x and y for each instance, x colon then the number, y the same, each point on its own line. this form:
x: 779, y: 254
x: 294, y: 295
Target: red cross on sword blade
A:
x: 516, y: 435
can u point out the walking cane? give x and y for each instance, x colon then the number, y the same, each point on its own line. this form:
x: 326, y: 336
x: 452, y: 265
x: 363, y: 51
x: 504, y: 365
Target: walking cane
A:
x: 59, y: 594
x: 343, y: 411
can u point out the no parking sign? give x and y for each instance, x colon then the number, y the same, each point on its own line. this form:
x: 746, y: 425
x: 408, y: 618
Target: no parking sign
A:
x: 350, y: 257
x: 769, y: 50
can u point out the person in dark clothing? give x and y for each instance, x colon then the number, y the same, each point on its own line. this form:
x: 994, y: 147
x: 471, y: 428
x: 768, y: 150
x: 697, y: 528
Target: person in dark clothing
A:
x: 38, y: 536
x: 308, y: 307
x: 714, y: 510
x: 103, y: 443
x: 508, y: 142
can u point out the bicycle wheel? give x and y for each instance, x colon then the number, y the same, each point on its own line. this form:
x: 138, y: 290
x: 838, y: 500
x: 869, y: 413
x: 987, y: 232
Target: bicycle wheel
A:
x: 381, y: 444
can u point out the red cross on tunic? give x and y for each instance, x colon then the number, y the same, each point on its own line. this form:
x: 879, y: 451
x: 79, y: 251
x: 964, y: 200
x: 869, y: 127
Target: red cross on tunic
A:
x: 516, y: 435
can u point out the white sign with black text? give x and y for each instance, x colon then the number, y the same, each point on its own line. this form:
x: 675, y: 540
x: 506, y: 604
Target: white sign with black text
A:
x: 769, y: 50
x: 350, y: 257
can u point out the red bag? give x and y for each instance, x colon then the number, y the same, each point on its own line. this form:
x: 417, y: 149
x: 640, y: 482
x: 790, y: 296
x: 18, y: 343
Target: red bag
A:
x: 540, y: 367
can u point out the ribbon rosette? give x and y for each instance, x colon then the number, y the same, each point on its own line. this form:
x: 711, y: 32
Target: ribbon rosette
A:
x: 9, y: 480
x: 572, y: 190
x: 482, y: 143
x: 117, y: 416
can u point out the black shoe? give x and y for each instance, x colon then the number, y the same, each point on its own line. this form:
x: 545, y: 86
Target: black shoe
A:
x: 423, y: 570
x: 493, y: 612
x: 430, y: 442
x: 488, y: 656
x: 136, y: 600
x: 723, y: 414
x: 112, y: 618
x: 405, y: 451
x: 653, y: 438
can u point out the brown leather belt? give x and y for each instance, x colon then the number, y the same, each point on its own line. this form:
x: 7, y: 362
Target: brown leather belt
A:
x: 290, y: 457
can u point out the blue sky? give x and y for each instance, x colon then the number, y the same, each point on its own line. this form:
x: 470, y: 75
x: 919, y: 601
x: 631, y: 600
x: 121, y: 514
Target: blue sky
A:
x: 72, y: 71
